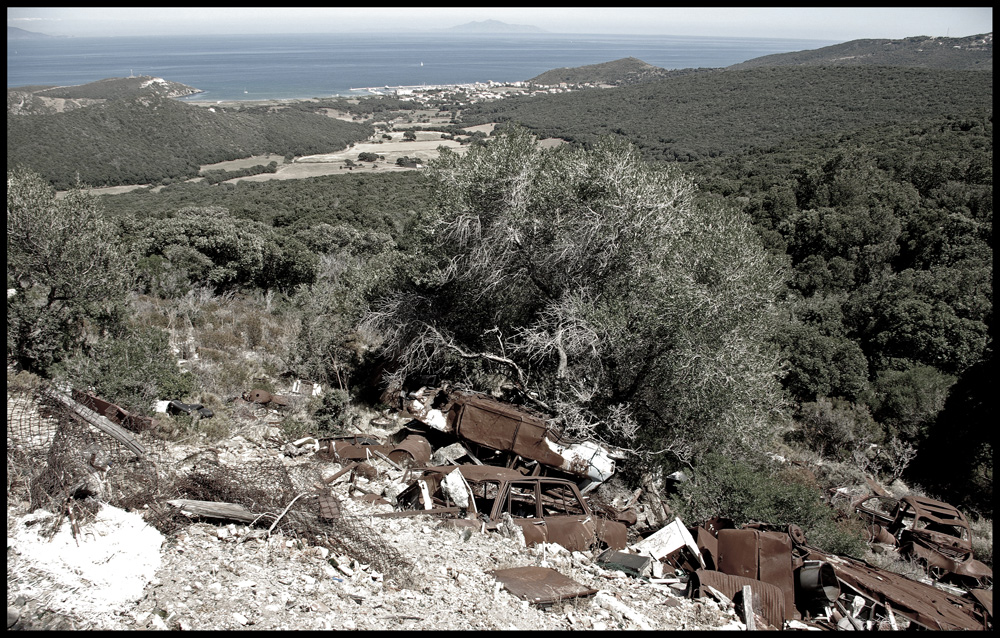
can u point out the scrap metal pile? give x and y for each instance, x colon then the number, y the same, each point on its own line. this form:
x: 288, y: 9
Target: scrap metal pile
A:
x: 495, y: 467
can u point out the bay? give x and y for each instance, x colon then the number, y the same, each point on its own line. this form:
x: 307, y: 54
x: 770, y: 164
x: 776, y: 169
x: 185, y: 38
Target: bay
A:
x: 289, y: 66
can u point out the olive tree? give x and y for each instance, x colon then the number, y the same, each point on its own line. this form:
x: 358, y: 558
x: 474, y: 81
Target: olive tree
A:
x: 68, y: 273
x: 594, y: 283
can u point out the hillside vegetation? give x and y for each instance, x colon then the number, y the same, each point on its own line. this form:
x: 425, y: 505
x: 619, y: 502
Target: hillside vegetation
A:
x: 708, y: 114
x: 973, y: 52
x: 813, y: 281
x: 615, y: 73
x: 149, y: 138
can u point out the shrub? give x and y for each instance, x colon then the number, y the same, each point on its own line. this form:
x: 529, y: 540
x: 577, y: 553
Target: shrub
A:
x: 835, y: 428
x: 132, y: 368
x: 335, y: 415
x: 746, y: 492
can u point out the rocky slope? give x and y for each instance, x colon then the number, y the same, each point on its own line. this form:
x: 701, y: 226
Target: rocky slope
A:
x: 117, y: 572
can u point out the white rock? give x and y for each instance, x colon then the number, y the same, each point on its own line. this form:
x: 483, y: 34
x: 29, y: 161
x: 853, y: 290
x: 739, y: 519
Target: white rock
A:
x: 157, y: 622
x: 240, y: 618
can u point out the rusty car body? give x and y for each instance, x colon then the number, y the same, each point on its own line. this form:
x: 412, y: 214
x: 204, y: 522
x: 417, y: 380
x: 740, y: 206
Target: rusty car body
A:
x: 511, y: 429
x: 931, y: 531
x: 547, y: 509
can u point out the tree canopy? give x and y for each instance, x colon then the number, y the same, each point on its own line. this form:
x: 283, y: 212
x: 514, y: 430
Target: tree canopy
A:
x: 592, y: 282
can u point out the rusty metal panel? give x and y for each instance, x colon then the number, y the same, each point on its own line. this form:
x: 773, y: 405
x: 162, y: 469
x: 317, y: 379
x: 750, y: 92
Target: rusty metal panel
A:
x: 501, y: 427
x: 480, y: 473
x: 540, y: 585
x: 413, y: 450
x: 738, y: 552
x: 923, y: 604
x: 114, y: 413
x: 776, y: 566
x: 612, y: 533
x: 329, y: 507
x: 352, y: 450
x: 764, y: 556
x: 575, y: 533
x: 985, y: 598
x: 708, y: 545
x: 768, y: 599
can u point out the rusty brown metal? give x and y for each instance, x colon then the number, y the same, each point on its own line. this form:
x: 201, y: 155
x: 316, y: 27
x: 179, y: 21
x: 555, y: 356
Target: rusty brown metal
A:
x: 329, y: 507
x: 264, y: 397
x: 365, y: 470
x: 931, y: 531
x: 985, y: 598
x: 765, y: 556
x: 353, y: 448
x: 540, y: 585
x: 768, y: 599
x: 413, y: 450
x: 114, y: 413
x: 927, y: 606
x: 547, y: 509
x: 374, y: 499
x: 502, y: 427
x: 708, y: 544
x: 818, y: 580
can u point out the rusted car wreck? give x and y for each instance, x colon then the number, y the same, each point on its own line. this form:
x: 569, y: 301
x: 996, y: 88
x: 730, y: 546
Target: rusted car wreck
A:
x: 546, y: 509
x: 510, y: 435
x: 935, y: 533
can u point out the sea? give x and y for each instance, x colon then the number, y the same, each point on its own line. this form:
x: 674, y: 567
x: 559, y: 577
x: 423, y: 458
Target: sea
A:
x: 291, y: 66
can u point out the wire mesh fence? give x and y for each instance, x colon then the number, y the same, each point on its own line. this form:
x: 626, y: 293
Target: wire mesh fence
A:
x: 58, y: 459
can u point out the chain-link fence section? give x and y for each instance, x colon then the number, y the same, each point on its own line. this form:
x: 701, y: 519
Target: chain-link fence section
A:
x: 68, y: 459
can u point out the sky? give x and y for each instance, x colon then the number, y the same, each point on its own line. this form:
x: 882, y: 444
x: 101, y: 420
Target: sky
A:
x: 812, y: 23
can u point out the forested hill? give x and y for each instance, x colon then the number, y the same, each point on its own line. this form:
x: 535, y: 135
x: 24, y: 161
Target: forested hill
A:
x: 616, y: 73
x: 149, y: 138
x: 716, y: 113
x: 971, y: 52
x: 35, y: 100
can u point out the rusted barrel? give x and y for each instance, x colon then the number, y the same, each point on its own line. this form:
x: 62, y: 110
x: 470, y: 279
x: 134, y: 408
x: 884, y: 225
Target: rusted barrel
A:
x: 258, y: 396
x: 818, y: 579
x: 413, y: 450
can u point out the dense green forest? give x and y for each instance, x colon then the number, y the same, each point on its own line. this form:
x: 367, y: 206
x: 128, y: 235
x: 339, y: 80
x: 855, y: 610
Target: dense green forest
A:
x: 147, y: 139
x: 807, y: 249
x: 708, y: 114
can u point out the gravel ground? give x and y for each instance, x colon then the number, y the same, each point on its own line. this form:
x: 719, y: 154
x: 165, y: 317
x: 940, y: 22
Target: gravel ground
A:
x: 120, y: 573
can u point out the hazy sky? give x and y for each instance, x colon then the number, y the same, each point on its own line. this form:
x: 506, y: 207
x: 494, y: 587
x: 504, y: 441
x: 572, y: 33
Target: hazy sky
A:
x: 839, y: 24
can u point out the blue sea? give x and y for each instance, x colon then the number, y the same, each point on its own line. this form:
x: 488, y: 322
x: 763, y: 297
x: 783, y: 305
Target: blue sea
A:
x: 264, y: 67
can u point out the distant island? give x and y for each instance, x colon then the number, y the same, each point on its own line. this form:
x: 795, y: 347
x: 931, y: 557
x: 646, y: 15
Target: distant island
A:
x: 13, y: 33
x: 494, y: 26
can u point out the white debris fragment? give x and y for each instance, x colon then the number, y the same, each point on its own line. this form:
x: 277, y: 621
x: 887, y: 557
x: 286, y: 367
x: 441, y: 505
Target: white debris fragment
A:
x: 108, y: 564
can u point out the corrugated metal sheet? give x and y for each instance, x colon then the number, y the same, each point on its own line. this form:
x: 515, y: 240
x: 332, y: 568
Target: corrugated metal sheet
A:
x: 768, y: 599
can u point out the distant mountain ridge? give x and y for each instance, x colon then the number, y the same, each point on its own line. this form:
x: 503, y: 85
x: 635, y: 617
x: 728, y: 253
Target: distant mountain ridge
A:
x: 494, y: 26
x: 13, y: 33
x: 968, y: 53
x: 974, y: 52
